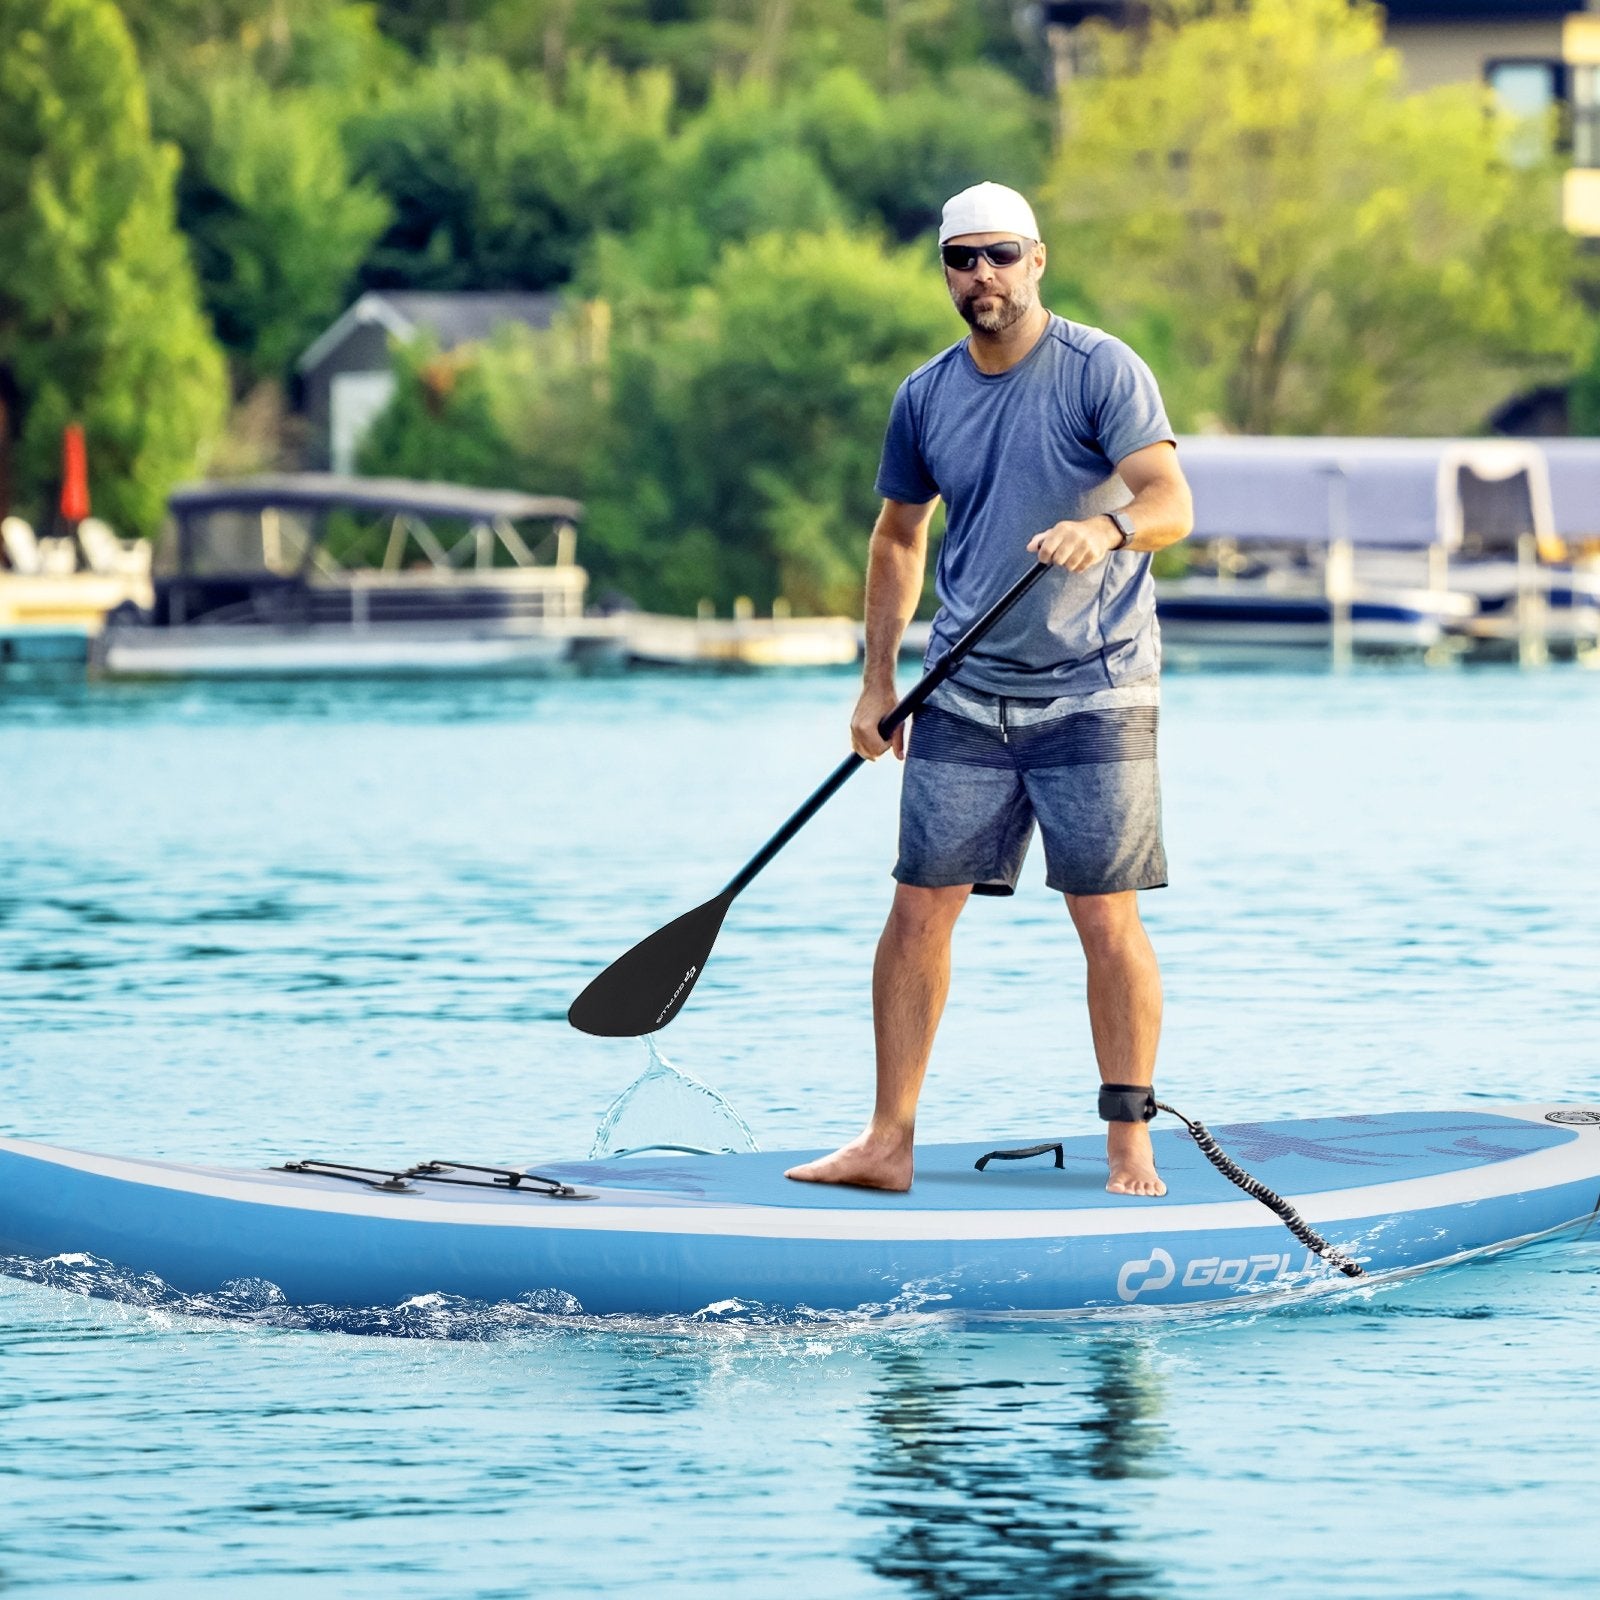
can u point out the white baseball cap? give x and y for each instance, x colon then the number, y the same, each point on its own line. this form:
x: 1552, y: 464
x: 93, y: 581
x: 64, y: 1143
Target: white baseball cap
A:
x: 987, y: 208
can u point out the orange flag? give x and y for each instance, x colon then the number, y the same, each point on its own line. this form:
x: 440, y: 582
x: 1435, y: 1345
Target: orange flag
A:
x: 74, y: 474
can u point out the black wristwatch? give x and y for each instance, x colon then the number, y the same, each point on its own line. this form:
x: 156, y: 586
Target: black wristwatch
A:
x: 1124, y: 527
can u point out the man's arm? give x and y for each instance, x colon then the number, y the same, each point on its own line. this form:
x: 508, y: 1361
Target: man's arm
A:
x: 896, y: 560
x: 1162, y: 513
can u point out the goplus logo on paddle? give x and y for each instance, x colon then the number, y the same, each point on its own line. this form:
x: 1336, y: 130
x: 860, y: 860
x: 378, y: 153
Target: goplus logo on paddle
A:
x: 683, y: 983
x: 1150, y: 1274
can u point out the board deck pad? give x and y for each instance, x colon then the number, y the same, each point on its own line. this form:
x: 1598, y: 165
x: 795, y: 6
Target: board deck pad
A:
x: 1313, y: 1155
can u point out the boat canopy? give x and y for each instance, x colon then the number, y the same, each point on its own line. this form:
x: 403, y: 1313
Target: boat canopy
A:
x: 1399, y: 493
x: 280, y: 523
x: 1574, y: 486
x: 327, y: 491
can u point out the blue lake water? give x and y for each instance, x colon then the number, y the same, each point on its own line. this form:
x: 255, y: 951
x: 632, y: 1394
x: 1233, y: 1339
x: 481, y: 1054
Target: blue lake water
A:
x: 239, y: 923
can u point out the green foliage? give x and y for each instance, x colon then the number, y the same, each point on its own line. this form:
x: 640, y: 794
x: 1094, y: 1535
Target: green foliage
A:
x: 441, y: 424
x: 899, y: 157
x: 888, y: 159
x: 256, y: 98
x: 727, y: 449
x: 277, y: 226
x: 754, y: 161
x: 739, y: 195
x: 99, y: 319
x: 1314, y: 249
x: 1583, y: 396
x: 705, y: 43
x: 495, y: 182
x: 743, y: 439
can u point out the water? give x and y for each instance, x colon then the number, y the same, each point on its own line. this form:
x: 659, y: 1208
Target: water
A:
x: 240, y: 924
x: 666, y: 1108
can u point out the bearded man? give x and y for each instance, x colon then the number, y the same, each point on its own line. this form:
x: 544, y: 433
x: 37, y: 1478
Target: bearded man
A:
x: 1047, y: 437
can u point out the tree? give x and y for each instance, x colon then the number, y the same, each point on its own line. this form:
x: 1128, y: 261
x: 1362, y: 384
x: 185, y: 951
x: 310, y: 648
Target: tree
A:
x: 743, y: 439
x: 838, y: 153
x: 278, y: 228
x: 726, y: 449
x: 495, y: 182
x: 1249, y: 193
x: 441, y: 424
x: 99, y: 317
x: 900, y: 156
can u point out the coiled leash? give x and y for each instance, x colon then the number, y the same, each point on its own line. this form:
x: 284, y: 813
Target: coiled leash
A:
x: 1132, y: 1102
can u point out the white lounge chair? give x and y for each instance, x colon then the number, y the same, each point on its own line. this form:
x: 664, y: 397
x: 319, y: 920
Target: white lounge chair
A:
x: 21, y: 546
x: 107, y: 554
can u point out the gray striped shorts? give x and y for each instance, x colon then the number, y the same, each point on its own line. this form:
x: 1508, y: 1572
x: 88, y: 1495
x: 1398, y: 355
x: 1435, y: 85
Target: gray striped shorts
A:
x: 981, y: 769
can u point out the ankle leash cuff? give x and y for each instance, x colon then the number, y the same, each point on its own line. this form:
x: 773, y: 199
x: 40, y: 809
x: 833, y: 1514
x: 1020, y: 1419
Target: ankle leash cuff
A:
x: 1127, y: 1102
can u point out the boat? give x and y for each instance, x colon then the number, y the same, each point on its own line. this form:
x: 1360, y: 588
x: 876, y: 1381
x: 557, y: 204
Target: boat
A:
x: 743, y: 641
x: 319, y: 574
x: 1213, y: 614
x: 664, y: 1232
x: 1348, y: 545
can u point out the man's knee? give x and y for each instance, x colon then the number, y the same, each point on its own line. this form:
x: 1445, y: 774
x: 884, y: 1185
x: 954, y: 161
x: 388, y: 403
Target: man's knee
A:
x: 1108, y: 924
x: 920, y: 914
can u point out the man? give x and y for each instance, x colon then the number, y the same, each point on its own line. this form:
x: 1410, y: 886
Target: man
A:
x: 1048, y: 437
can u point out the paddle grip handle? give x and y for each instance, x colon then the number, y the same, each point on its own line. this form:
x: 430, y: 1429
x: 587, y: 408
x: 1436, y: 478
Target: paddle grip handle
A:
x: 960, y: 650
x: 941, y: 669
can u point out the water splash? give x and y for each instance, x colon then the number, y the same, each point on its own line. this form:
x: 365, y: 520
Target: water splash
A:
x: 666, y: 1107
x: 260, y: 1304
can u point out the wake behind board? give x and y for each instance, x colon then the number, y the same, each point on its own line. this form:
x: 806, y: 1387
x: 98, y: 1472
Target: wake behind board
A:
x: 675, y: 1234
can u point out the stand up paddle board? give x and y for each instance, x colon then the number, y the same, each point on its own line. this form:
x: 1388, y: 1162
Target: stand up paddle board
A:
x: 678, y: 1233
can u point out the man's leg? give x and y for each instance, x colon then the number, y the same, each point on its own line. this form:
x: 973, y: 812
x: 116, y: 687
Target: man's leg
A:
x: 910, y: 980
x: 1125, y: 1019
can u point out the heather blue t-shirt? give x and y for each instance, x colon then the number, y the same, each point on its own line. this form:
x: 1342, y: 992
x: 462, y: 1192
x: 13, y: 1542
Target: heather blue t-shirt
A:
x: 1012, y: 454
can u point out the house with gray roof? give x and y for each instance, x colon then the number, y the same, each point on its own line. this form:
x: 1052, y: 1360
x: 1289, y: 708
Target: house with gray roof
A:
x: 346, y: 376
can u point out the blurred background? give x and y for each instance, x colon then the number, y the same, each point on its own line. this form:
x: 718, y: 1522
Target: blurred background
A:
x: 671, y: 257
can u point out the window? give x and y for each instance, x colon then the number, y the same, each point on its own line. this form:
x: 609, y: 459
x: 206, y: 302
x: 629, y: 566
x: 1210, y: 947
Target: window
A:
x: 1528, y: 91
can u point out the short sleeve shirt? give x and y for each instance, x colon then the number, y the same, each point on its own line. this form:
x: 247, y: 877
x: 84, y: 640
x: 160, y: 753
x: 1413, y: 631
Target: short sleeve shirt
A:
x: 1011, y: 454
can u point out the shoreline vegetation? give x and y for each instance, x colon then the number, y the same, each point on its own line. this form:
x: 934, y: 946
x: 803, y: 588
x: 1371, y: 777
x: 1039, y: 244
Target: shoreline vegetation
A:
x: 736, y: 201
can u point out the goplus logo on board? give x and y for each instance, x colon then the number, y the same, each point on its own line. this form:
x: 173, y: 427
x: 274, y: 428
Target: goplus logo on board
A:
x: 1156, y: 1271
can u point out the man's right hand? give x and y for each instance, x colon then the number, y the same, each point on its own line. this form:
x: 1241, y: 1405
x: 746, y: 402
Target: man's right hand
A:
x: 876, y: 702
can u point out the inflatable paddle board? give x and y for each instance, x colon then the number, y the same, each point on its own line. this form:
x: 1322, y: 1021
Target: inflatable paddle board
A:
x: 679, y: 1233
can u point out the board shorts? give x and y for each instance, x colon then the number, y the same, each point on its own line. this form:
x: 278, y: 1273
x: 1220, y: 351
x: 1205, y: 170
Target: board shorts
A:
x: 982, y: 769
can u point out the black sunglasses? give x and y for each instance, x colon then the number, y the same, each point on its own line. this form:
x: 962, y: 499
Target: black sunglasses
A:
x: 964, y: 257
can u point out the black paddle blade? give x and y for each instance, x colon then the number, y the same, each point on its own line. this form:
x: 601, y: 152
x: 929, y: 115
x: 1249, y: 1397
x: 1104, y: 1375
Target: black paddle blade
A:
x: 646, y: 988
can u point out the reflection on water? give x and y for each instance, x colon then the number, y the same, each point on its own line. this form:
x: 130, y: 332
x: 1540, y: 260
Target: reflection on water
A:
x: 993, y: 1484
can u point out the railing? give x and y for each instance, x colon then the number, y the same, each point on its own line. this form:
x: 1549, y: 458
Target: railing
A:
x: 361, y: 605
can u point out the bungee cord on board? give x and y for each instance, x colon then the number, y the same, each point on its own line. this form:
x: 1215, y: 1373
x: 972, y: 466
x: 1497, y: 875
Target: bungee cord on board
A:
x: 1257, y: 1190
x: 1120, y: 1102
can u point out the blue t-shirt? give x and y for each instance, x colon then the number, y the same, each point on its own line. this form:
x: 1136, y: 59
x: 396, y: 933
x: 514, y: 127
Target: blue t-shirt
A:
x: 1012, y: 454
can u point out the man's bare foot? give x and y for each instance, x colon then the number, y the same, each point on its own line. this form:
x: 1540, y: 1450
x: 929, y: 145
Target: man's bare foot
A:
x: 1132, y: 1161
x: 872, y: 1161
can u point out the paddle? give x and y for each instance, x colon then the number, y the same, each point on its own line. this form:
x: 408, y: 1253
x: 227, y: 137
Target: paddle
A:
x: 645, y: 989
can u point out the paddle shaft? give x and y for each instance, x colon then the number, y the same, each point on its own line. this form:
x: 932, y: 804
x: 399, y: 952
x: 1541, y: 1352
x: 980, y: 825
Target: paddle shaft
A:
x: 915, y: 697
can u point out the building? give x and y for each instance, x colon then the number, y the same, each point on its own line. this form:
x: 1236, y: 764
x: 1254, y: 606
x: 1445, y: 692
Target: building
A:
x: 346, y: 375
x: 1537, y: 55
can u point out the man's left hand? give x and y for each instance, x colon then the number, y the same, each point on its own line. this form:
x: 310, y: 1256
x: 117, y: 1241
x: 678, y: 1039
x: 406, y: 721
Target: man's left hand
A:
x: 1077, y: 546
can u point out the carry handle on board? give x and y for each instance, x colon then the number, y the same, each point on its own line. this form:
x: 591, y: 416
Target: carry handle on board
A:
x: 646, y: 988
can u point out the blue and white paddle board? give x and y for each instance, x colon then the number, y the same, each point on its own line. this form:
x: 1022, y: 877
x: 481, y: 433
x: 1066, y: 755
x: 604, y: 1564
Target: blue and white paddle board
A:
x: 676, y: 1234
